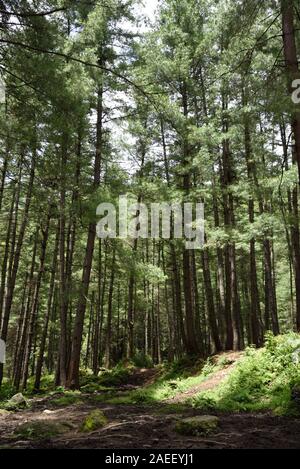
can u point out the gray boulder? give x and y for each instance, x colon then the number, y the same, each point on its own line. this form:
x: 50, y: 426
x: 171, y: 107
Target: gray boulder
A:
x: 18, y: 401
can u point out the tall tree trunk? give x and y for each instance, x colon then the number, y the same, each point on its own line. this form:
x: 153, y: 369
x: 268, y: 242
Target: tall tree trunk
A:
x: 21, y: 321
x: 22, y: 345
x: 130, y: 314
x: 292, y: 68
x: 73, y: 376
x: 3, y: 177
x: 220, y: 279
x: 95, y: 364
x: 40, y: 360
x: 255, y: 312
x: 192, y: 347
x: 90, y: 331
x: 5, y: 162
x: 210, y: 300
x: 9, y: 245
x: 174, y: 260
x: 53, y: 341
x: 108, y: 344
x: 198, y: 315
x: 232, y: 302
x: 62, y: 363
x: 34, y: 308
x: 13, y: 277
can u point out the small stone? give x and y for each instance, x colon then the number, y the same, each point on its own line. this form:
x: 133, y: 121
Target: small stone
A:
x: 193, y: 426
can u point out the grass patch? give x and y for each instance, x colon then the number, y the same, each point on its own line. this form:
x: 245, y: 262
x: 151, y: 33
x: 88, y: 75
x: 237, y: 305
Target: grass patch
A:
x: 176, y: 379
x: 127, y: 398
x: 166, y: 409
x: 94, y: 388
x: 69, y: 398
x: 262, y: 380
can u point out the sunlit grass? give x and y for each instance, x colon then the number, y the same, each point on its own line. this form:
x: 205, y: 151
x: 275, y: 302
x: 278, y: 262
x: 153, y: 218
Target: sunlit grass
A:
x: 262, y: 380
x: 172, y: 383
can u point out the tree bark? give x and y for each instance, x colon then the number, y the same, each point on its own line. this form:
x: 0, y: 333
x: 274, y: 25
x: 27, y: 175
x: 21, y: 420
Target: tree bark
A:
x: 40, y: 360
x: 73, y: 376
x: 13, y: 277
x: 108, y: 344
x: 34, y: 308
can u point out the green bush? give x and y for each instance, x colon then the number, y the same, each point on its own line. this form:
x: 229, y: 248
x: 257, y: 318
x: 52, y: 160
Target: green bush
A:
x: 262, y: 380
x: 140, y: 360
x: 6, y: 392
x: 115, y: 377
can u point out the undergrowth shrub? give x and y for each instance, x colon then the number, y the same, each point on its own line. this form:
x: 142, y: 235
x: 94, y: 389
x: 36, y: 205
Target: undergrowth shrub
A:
x: 262, y: 380
x: 117, y: 376
x: 6, y: 392
x: 140, y: 360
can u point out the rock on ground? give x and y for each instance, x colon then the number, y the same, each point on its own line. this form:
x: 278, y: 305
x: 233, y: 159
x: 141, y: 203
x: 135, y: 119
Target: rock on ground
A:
x: 200, y: 424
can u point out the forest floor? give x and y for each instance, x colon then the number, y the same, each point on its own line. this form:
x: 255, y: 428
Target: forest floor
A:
x: 140, y: 425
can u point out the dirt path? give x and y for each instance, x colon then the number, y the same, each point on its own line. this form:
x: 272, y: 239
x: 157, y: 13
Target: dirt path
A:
x: 149, y: 427
x: 212, y: 380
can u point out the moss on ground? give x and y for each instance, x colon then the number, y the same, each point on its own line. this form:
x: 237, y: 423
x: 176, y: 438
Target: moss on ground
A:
x: 199, y: 425
x: 94, y: 421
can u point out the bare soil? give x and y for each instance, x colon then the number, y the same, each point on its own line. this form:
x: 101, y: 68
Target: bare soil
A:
x: 134, y: 426
x: 149, y: 427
